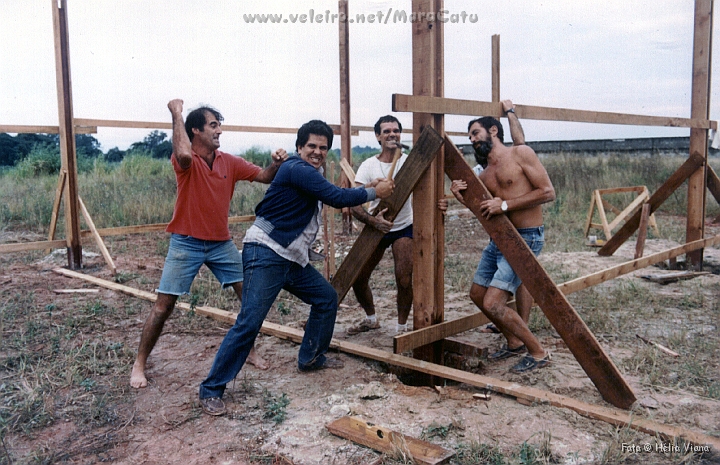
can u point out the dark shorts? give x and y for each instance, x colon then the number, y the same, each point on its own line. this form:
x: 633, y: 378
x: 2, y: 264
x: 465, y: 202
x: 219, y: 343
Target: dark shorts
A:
x: 495, y: 271
x: 392, y: 236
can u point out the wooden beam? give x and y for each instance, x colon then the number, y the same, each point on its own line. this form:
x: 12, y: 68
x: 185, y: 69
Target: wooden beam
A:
x: 629, y: 209
x: 699, y: 108
x: 67, y: 131
x: 420, y: 157
x: 25, y: 129
x: 388, y: 441
x: 408, y: 341
x: 496, y: 67
x: 578, y: 338
x: 111, y: 123
x: 428, y: 77
x: 37, y: 245
x: 690, y: 166
x: 642, y: 231
x: 534, y: 396
x: 345, y: 140
x: 713, y: 183
x: 96, y: 236
x: 435, y: 105
x: 59, y: 190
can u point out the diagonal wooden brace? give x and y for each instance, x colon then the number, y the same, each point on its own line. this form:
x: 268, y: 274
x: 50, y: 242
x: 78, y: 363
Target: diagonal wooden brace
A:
x: 691, y: 165
x: 421, y: 155
x: 581, y: 342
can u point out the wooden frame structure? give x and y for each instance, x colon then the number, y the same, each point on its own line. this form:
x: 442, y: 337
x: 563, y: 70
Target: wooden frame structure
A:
x: 597, y: 202
x: 429, y: 106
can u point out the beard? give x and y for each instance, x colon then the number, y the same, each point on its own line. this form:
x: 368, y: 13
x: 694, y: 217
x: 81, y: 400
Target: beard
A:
x: 482, y: 150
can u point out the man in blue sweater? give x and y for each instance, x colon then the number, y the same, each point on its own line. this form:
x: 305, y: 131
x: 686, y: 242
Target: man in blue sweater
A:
x: 275, y: 257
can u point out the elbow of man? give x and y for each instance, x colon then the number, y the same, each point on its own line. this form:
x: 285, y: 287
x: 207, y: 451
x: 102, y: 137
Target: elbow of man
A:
x: 549, y: 194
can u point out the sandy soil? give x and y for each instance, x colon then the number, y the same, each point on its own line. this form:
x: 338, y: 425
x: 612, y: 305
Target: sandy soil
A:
x: 163, y: 424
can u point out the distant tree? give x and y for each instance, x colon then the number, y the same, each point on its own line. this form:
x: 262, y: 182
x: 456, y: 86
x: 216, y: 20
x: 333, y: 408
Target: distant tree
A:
x: 9, y: 151
x: 87, y: 146
x: 155, y: 144
x: 114, y: 155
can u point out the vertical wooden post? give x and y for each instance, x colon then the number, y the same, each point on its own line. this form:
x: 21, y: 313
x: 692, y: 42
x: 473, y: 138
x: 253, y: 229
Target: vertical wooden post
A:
x: 67, y: 132
x: 345, y: 138
x: 428, y: 232
x: 496, y: 68
x: 700, y: 108
x: 642, y: 231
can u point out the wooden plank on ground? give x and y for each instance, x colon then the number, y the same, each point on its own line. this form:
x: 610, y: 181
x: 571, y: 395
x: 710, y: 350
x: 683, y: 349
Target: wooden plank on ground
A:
x: 420, y: 157
x: 667, y: 278
x: 578, y: 338
x: 691, y: 165
x: 610, y: 415
x: 448, y: 106
x: 389, y: 442
x: 408, y: 341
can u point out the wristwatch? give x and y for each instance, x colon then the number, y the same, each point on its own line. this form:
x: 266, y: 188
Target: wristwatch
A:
x: 512, y: 110
x: 503, y: 206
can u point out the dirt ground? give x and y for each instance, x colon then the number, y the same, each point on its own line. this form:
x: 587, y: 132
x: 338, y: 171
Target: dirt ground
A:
x: 163, y: 424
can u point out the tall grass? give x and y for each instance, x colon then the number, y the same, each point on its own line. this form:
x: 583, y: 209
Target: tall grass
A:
x: 138, y: 190
x: 141, y: 189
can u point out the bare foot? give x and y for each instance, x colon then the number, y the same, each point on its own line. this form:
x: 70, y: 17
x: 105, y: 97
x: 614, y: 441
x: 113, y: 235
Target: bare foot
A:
x: 137, y: 377
x: 256, y: 360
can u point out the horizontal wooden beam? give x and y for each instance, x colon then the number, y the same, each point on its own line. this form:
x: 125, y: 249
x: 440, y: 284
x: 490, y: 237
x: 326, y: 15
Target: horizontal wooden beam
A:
x: 414, y: 339
x: 118, y: 231
x: 447, y: 106
x: 24, y: 129
x: 532, y: 395
x: 38, y: 245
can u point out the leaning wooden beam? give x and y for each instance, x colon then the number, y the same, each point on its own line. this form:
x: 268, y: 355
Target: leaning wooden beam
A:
x: 713, y: 183
x: 439, y: 105
x: 613, y: 416
x: 413, y: 339
x: 56, y: 206
x: 691, y: 165
x: 421, y: 155
x: 96, y: 236
x: 578, y: 338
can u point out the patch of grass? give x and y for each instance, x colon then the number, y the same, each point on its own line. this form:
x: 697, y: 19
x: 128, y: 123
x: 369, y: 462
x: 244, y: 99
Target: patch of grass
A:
x: 275, y: 407
x: 477, y: 453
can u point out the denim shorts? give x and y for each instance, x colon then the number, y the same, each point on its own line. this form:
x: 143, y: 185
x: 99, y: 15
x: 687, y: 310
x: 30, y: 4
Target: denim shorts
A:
x: 495, y: 271
x: 185, y: 257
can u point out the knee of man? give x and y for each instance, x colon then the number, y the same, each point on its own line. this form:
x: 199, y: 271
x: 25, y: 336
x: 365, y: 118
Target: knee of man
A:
x: 494, y: 308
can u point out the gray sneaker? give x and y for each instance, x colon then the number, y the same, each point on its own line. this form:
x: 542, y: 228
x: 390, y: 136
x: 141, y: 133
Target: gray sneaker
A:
x: 213, y: 406
x: 363, y: 326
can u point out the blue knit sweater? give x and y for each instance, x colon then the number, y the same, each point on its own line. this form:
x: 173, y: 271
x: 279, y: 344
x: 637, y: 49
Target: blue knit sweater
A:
x: 292, y: 199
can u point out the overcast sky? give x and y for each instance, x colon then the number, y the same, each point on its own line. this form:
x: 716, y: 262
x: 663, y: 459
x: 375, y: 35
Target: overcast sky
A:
x: 130, y: 57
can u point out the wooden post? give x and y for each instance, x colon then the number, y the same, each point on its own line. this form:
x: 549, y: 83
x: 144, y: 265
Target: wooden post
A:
x: 345, y: 140
x: 700, y: 108
x: 59, y: 191
x: 496, y: 68
x: 642, y: 231
x: 67, y: 132
x: 428, y: 233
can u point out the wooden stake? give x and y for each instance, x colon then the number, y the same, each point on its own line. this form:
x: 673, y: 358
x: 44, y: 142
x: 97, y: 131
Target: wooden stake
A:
x: 659, y: 346
x: 59, y: 191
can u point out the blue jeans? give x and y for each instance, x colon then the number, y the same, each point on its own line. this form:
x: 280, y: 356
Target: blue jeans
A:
x: 266, y: 273
x: 494, y: 269
x: 185, y: 257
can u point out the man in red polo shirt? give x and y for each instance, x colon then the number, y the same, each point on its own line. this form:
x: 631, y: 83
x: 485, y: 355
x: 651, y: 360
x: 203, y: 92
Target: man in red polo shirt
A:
x: 206, y: 180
